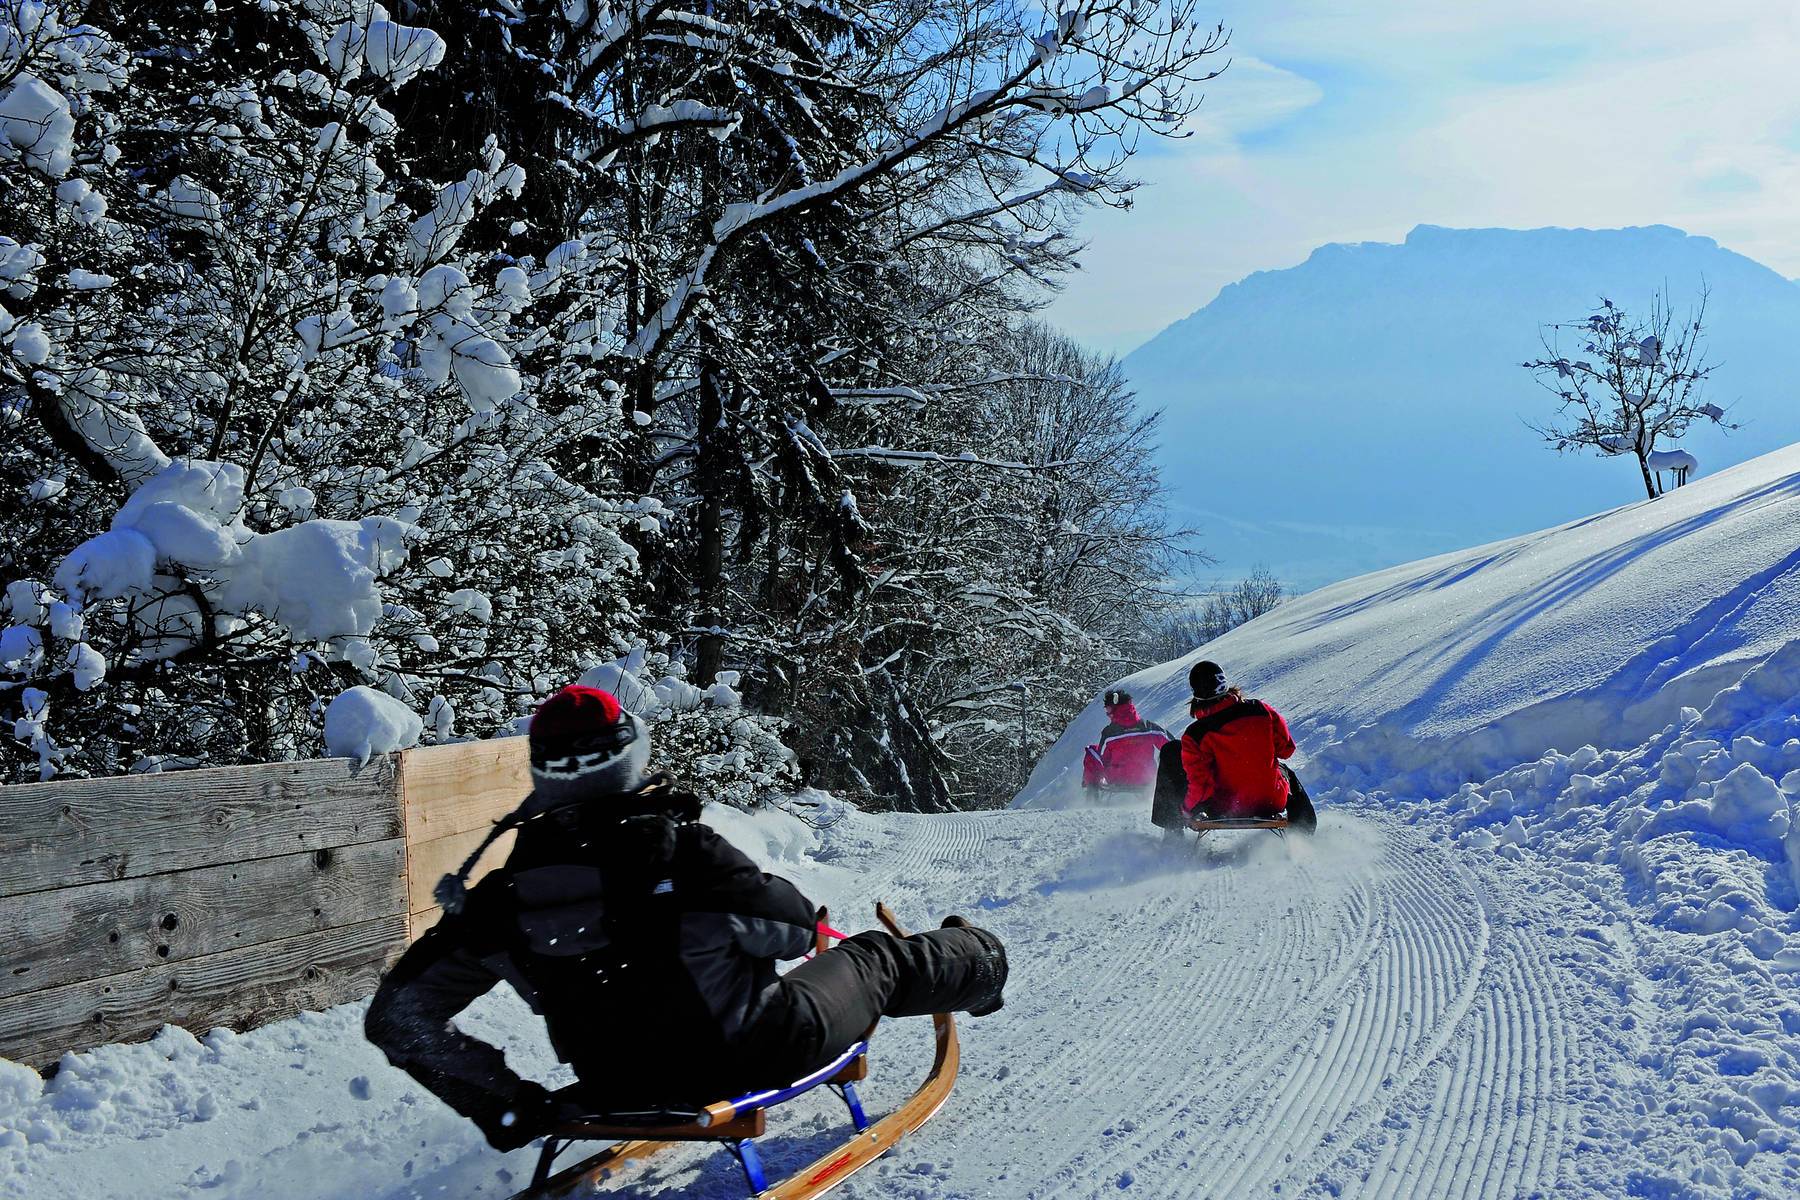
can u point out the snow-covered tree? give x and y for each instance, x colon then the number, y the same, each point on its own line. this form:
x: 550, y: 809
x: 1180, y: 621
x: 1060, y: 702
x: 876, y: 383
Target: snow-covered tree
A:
x: 1191, y: 625
x: 1632, y: 384
x: 449, y: 350
x: 286, y: 440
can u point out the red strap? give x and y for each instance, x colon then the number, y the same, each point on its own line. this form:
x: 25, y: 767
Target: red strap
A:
x: 829, y: 932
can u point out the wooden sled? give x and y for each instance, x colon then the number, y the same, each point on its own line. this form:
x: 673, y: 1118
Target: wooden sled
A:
x: 738, y: 1123
x: 1205, y: 825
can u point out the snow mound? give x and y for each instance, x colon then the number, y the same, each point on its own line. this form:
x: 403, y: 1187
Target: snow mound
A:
x: 363, y: 722
x: 1424, y: 676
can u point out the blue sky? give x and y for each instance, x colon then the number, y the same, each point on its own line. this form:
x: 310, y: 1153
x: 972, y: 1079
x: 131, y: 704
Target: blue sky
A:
x: 1344, y: 123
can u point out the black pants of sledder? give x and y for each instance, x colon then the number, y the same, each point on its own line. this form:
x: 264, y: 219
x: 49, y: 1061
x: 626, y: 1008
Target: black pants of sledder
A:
x: 1300, y: 812
x: 823, y: 1005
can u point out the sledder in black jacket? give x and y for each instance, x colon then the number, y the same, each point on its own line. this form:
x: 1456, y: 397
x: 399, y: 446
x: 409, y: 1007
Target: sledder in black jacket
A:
x: 648, y: 944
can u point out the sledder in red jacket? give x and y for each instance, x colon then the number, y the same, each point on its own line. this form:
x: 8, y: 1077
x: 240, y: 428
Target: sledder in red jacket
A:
x: 1232, y: 751
x: 1125, y: 756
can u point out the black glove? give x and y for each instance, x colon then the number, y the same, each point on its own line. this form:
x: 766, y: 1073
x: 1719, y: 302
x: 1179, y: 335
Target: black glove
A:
x: 534, y: 1112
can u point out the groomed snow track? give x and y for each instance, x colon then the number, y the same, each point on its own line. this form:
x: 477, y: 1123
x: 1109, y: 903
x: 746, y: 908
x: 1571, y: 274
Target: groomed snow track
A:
x: 1361, y: 1014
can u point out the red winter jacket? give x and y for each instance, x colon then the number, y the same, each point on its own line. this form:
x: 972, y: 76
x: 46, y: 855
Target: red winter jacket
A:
x: 1231, y: 765
x: 1126, y: 753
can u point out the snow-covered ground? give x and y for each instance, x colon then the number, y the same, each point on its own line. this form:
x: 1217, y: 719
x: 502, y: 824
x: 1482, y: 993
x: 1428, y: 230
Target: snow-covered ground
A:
x: 1544, y: 943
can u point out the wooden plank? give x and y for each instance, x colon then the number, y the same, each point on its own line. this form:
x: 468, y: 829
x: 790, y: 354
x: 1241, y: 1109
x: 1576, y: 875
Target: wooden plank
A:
x: 418, y: 923
x: 428, y: 862
x: 463, y: 787
x: 107, y: 928
x: 240, y: 988
x: 56, y: 835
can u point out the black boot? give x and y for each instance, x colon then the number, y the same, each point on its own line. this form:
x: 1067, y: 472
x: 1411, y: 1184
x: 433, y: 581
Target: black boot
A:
x: 998, y: 1001
x: 958, y: 967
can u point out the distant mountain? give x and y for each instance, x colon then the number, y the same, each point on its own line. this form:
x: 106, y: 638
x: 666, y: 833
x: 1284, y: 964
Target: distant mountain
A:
x: 1367, y: 407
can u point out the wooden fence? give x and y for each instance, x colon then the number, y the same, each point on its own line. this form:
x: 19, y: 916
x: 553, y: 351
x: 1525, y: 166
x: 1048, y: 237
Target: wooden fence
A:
x: 230, y: 896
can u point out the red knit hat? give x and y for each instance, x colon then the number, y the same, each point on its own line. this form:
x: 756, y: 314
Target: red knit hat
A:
x: 583, y: 743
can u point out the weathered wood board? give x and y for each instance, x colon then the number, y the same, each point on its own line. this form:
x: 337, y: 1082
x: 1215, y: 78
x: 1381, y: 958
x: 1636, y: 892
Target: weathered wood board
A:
x: 229, y: 896
x: 431, y: 861
x: 55, y: 835
x: 101, y: 929
x: 238, y: 988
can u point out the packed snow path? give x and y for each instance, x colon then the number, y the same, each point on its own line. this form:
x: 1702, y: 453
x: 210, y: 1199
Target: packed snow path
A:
x: 1261, y: 1017
x: 1370, y: 1013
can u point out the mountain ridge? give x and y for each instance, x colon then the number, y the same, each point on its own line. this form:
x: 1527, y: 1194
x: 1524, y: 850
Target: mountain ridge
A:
x: 1291, y: 377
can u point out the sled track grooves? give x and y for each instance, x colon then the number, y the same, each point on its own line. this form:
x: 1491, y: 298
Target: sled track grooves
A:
x: 1420, y: 1020
x: 1485, y: 1118
x: 1489, y: 1119
x: 1186, y: 969
x: 1393, y: 1019
x: 1413, y: 1048
x: 947, y: 840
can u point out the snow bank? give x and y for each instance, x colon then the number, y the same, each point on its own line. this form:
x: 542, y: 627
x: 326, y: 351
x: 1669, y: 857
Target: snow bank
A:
x: 1444, y: 670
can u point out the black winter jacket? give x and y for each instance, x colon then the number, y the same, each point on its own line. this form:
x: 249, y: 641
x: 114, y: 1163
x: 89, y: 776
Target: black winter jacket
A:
x: 642, y: 937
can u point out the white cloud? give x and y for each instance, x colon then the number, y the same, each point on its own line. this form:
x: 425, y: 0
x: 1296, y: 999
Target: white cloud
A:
x: 1258, y: 96
x: 1522, y: 113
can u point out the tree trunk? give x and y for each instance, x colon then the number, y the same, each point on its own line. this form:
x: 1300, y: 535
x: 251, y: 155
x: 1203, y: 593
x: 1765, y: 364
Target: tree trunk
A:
x: 710, y: 569
x: 1649, y: 480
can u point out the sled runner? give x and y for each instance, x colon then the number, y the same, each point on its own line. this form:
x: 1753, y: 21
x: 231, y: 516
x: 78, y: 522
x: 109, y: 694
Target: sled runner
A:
x: 738, y: 1123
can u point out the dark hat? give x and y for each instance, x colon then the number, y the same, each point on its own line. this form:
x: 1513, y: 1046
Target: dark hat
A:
x: 583, y: 743
x: 1207, y: 680
x: 1115, y: 698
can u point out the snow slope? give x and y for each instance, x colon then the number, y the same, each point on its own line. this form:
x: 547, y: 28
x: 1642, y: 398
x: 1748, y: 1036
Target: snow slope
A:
x: 1544, y: 944
x: 1423, y: 1038
x: 1599, y: 631
x: 1428, y: 336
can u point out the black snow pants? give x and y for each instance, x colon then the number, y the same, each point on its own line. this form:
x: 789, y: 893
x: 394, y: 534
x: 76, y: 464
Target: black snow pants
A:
x: 1300, y: 811
x: 1171, y: 788
x: 813, y: 1012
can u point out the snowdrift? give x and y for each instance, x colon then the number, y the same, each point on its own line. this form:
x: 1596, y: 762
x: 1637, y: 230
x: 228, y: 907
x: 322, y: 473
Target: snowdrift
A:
x: 1443, y: 671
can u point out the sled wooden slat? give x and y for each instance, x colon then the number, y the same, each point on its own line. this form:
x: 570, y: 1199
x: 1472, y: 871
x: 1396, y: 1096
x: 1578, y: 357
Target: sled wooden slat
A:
x: 582, y: 1178
x: 833, y: 1168
x: 1206, y: 825
x: 59, y: 834
x: 101, y: 929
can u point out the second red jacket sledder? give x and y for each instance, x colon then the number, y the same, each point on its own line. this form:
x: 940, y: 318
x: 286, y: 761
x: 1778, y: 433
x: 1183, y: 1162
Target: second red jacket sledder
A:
x: 1125, y: 756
